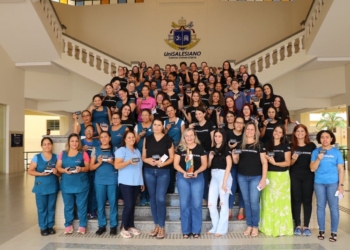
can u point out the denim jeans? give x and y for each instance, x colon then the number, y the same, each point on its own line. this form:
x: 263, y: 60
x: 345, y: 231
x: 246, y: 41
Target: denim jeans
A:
x: 251, y: 197
x: 190, y: 194
x: 234, y: 189
x: 104, y: 192
x: 220, y: 223
x: 157, y: 181
x: 326, y: 193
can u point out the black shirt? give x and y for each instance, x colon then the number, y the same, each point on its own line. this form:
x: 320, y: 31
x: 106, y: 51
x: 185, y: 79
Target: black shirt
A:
x: 279, y: 151
x: 212, y: 117
x: 302, y: 165
x: 197, y: 152
x: 174, y: 99
x: 231, y: 135
x: 192, y: 111
x: 130, y: 123
x: 265, y: 104
x: 161, y: 114
x: 110, y: 101
x: 123, y: 81
x: 205, y: 99
x: 249, y: 160
x: 183, y: 77
x: 219, y: 160
x: 269, y: 131
x: 154, y: 147
x: 203, y: 134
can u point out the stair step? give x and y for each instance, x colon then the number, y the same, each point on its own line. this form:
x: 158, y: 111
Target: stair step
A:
x: 173, y: 211
x: 172, y: 225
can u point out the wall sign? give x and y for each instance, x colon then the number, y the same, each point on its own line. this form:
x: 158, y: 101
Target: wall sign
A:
x: 182, y: 37
x: 16, y: 140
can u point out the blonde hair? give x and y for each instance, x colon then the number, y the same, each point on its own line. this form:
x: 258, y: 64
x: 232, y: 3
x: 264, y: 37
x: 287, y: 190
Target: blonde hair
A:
x: 183, y: 145
x: 256, y: 136
x: 80, y: 146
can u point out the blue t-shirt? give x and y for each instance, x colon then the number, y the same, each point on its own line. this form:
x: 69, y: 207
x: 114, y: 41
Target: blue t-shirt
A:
x: 327, y: 172
x: 132, y: 174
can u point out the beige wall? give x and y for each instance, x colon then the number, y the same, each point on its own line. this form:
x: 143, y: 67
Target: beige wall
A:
x: 12, y: 95
x: 228, y: 30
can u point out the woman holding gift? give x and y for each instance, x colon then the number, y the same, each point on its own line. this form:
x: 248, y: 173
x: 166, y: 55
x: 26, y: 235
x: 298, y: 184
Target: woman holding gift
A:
x: 45, y: 186
x: 190, y: 161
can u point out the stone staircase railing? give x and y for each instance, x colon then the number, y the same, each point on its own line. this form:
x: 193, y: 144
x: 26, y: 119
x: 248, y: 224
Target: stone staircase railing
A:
x: 313, y: 17
x: 52, y: 18
x: 272, y: 55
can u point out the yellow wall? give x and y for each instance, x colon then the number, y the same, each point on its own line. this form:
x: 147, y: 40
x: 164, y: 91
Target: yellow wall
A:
x: 228, y: 30
x: 12, y: 95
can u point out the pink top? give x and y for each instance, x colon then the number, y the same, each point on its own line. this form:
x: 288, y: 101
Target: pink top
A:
x: 85, y: 157
x: 149, y: 103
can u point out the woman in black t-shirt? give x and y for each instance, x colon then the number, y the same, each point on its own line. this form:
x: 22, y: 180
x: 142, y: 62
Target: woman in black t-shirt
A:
x: 190, y: 112
x: 220, y: 162
x: 282, y: 111
x: 216, y: 104
x: 302, y: 179
x: 110, y: 99
x: 267, y: 101
x: 190, y: 161
x: 252, y: 169
x: 269, y: 125
x: 126, y: 118
x: 276, y: 205
x: 234, y: 135
x: 202, y: 89
x: 157, y: 155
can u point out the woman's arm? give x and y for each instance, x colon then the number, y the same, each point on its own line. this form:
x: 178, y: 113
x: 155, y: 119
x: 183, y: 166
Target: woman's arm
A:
x: 187, y: 116
x: 93, y: 164
x: 212, y: 138
x: 315, y: 164
x: 138, y: 105
x: 76, y: 125
x: 32, y: 170
x: 170, y: 159
x: 119, y: 163
x: 227, y: 171
x: 341, y: 178
x: 177, y: 164
x: 204, y: 165
x: 262, y: 183
x: 149, y: 161
x: 132, y: 106
x: 281, y: 164
x: 109, y: 116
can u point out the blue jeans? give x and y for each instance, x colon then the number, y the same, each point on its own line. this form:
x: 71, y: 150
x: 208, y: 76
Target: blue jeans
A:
x: 234, y: 189
x: 251, y: 197
x: 157, y: 181
x: 325, y: 193
x: 104, y: 192
x: 80, y: 199
x: 130, y: 194
x: 190, y: 194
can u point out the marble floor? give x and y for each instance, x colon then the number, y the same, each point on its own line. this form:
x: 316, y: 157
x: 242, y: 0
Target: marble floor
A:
x: 19, y: 229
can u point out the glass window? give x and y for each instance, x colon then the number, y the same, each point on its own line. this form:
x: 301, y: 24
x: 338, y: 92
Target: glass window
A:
x: 53, y: 125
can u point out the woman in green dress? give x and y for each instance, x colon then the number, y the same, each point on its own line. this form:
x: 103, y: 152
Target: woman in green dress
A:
x: 276, y: 212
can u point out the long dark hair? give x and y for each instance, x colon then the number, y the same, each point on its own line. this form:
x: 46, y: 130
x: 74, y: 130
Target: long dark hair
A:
x: 257, y: 83
x: 283, y: 139
x: 283, y: 108
x: 220, y: 151
x: 110, y: 141
x: 121, y: 113
x: 125, y: 135
x: 271, y: 88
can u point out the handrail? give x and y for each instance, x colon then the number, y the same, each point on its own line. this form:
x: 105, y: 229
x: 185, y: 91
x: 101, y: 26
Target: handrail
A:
x: 312, y: 16
x: 99, y: 51
x: 308, y: 13
x: 270, y: 46
x: 54, y: 10
x: 26, y: 164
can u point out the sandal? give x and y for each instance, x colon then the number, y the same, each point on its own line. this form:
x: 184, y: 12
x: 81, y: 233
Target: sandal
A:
x: 320, y: 235
x: 255, y: 232
x: 161, y: 233
x: 134, y: 231
x: 125, y: 234
x: 186, y: 236
x: 248, y: 231
x: 196, y: 236
x: 154, y: 232
x: 333, y: 237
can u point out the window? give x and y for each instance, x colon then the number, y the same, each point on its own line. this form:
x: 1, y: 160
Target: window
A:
x: 53, y: 124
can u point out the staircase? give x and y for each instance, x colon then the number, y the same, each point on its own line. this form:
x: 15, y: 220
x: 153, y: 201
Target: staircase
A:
x: 144, y: 221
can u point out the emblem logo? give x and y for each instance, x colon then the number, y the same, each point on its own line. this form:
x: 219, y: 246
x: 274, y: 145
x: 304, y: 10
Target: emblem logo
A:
x: 182, y: 36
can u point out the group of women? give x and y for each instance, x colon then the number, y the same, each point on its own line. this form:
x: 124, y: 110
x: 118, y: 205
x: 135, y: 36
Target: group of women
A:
x: 217, y: 130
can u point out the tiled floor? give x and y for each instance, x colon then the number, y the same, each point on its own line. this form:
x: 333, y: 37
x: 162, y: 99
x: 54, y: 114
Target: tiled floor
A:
x: 19, y: 230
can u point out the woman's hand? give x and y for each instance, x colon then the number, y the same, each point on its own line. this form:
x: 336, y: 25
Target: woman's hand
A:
x: 232, y: 146
x: 211, y: 155
x: 295, y: 156
x: 99, y: 159
x: 195, y: 175
x: 54, y: 171
x: 67, y: 171
x: 186, y: 176
x: 77, y: 170
x: 271, y: 160
x: 262, y: 184
x: 341, y: 190
x: 45, y: 174
x: 191, y: 126
x: 320, y: 156
x: 224, y: 188
x: 142, y: 188
x: 168, y: 126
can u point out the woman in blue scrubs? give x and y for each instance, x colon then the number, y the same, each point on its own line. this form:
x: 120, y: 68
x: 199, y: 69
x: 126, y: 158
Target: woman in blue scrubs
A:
x: 45, y: 186
x: 73, y: 164
x: 106, y: 183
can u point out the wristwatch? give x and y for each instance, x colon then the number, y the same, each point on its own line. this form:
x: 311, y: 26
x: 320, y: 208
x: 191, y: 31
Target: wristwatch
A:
x: 341, y: 185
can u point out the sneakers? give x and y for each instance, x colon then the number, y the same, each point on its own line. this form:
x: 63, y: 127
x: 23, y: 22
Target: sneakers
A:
x: 113, y: 231
x: 306, y: 232
x: 81, y: 230
x: 68, y: 230
x: 100, y: 230
x: 297, y: 231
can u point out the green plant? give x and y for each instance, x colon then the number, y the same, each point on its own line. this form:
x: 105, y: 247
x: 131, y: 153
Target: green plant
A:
x: 331, y: 121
